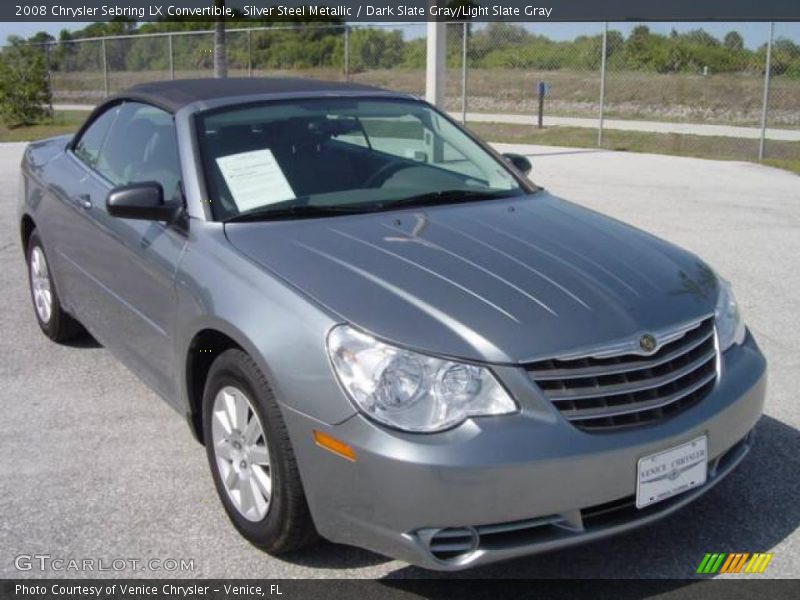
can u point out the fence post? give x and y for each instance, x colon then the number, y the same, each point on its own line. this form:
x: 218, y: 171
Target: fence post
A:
x: 49, y: 76
x: 171, y: 58
x: 464, y: 33
x: 767, y: 69
x: 602, y: 85
x: 249, y: 52
x: 105, y: 67
x: 346, y: 53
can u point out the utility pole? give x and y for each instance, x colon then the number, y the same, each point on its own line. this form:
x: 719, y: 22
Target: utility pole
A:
x: 220, y: 57
x: 602, y: 85
x: 435, y: 67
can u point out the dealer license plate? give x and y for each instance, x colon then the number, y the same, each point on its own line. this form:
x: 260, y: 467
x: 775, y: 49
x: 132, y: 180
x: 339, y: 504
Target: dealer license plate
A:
x: 674, y: 471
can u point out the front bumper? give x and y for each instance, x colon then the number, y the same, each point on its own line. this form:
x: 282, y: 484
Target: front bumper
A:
x: 517, y: 484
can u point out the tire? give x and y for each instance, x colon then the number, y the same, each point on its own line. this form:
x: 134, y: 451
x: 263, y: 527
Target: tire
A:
x: 286, y: 524
x: 53, y: 320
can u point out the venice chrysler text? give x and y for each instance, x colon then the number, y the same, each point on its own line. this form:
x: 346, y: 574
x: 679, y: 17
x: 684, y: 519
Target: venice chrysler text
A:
x: 383, y: 333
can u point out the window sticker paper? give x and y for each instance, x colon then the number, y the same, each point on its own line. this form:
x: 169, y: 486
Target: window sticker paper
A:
x: 255, y: 179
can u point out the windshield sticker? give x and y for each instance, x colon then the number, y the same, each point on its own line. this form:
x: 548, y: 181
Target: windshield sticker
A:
x: 255, y: 179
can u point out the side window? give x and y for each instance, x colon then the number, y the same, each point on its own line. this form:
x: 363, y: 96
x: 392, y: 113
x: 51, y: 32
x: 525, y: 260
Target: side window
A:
x: 141, y: 146
x: 88, y: 147
x: 401, y: 136
x: 409, y: 138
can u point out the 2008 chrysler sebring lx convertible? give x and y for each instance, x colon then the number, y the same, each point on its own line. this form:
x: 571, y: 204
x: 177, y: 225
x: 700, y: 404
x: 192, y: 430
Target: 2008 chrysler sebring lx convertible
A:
x: 381, y: 331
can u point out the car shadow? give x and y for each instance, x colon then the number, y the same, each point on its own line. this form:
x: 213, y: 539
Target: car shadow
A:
x: 84, y: 340
x: 752, y: 510
x: 327, y: 555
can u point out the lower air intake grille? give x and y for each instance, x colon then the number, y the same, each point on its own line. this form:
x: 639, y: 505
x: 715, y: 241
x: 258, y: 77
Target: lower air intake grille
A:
x: 625, y: 390
x: 453, y: 542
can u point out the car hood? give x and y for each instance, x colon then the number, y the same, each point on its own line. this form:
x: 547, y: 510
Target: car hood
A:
x: 503, y: 281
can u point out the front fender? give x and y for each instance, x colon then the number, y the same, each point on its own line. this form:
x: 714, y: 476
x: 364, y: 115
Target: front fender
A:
x: 218, y: 288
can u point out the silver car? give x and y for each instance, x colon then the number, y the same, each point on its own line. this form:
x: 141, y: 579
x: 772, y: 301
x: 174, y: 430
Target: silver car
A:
x: 383, y: 333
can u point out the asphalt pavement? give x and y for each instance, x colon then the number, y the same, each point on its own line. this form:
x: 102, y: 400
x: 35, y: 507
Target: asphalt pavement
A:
x: 96, y: 466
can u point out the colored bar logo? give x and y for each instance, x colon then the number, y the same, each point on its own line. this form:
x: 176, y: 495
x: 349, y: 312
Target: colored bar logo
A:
x: 734, y: 562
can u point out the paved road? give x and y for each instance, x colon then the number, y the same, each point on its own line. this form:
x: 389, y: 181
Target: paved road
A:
x: 702, y: 129
x: 94, y: 465
x: 753, y: 133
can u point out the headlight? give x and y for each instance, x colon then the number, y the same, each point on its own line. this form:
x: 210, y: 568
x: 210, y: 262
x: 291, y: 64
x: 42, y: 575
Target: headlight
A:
x: 730, y: 327
x: 412, y: 391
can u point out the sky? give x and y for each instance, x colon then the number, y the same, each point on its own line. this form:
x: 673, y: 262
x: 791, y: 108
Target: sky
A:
x: 754, y: 34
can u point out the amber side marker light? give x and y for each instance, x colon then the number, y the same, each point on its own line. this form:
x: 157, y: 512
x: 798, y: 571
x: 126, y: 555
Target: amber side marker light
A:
x: 330, y: 443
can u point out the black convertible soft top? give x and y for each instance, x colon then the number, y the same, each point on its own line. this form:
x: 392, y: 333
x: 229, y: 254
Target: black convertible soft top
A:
x: 174, y: 95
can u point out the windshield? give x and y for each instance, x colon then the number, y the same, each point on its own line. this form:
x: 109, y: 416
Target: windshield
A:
x: 341, y: 155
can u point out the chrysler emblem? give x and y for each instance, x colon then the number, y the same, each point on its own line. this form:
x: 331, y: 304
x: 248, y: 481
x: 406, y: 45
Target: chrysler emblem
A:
x: 648, y: 343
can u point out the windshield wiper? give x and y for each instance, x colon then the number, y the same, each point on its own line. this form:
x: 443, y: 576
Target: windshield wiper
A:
x: 298, y: 208
x: 292, y: 211
x: 447, y: 196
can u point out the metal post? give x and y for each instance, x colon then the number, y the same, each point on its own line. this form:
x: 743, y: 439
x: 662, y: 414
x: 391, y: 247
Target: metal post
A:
x: 171, y: 58
x: 464, y: 32
x: 541, y: 90
x: 767, y: 69
x: 49, y: 77
x: 249, y: 52
x: 602, y: 84
x: 105, y: 67
x: 346, y: 53
x: 435, y: 62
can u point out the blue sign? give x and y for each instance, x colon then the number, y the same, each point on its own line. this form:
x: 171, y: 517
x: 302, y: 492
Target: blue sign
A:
x: 542, y: 89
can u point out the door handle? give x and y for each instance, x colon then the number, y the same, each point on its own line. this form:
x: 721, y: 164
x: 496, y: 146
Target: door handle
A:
x: 84, y: 201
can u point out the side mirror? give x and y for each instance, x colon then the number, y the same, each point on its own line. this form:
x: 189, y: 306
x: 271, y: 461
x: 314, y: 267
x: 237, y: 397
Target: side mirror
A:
x: 520, y: 163
x: 144, y: 201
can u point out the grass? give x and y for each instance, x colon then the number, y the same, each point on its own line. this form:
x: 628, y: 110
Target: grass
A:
x: 62, y: 122
x: 787, y: 164
x: 727, y: 99
x: 784, y: 155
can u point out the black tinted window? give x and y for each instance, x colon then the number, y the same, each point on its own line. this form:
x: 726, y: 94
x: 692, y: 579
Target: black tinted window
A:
x: 141, y: 146
x: 341, y: 152
x: 88, y: 147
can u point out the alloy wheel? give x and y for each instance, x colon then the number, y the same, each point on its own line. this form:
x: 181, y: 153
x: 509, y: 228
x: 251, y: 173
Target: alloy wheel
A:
x: 241, y: 452
x: 40, y: 285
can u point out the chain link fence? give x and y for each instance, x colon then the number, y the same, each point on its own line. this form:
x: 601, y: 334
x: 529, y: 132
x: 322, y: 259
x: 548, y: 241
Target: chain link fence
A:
x: 617, y: 86
x: 625, y: 87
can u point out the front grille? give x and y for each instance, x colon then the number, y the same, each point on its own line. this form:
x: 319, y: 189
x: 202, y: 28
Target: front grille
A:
x: 626, y: 390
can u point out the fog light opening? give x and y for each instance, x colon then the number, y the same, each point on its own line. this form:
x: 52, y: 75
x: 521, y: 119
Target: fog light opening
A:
x: 453, y: 543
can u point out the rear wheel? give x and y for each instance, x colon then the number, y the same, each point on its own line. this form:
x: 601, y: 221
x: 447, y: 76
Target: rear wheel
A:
x: 53, y: 320
x: 251, y: 457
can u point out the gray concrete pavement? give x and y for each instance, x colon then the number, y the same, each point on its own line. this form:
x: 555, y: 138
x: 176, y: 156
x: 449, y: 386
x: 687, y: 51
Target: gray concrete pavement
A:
x: 702, y: 129
x: 95, y: 465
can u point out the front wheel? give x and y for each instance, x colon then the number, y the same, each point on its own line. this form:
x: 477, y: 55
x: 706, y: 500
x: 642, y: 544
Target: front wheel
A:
x: 52, y: 318
x: 251, y: 457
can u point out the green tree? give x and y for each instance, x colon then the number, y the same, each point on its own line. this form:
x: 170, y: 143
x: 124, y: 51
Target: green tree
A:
x: 785, y: 57
x: 24, y: 90
x: 375, y: 49
x: 41, y: 37
x: 733, y: 41
x: 701, y: 37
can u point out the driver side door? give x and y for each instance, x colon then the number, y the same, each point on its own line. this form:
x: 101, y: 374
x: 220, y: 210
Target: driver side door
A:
x: 127, y: 267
